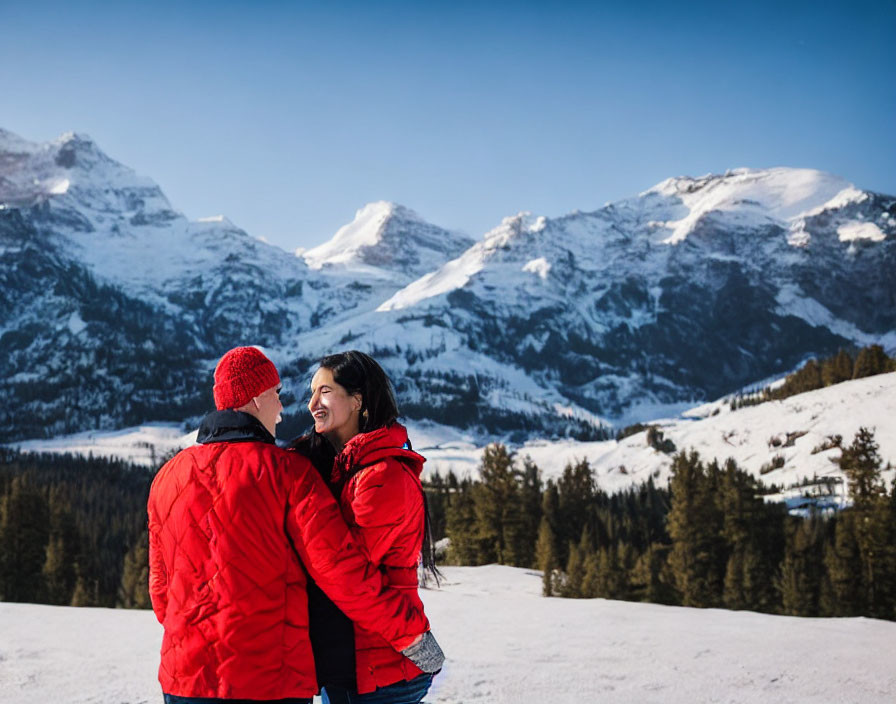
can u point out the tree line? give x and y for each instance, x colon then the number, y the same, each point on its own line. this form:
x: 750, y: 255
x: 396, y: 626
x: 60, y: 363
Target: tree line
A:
x: 73, y: 531
x: 708, y: 540
x: 815, y: 374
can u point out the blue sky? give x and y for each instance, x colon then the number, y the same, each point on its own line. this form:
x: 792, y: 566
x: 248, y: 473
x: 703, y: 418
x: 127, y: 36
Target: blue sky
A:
x: 288, y: 116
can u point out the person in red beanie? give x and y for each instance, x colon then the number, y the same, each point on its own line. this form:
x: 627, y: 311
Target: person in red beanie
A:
x: 236, y: 526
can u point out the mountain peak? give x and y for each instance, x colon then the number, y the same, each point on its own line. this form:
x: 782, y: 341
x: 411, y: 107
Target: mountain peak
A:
x: 783, y: 192
x: 388, y: 236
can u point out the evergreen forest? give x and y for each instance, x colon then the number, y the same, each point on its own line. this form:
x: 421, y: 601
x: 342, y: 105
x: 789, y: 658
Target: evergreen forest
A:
x: 73, y: 532
x: 708, y: 540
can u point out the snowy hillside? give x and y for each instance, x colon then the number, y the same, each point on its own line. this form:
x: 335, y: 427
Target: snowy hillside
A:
x: 546, y: 327
x: 793, y: 429
x: 505, y: 644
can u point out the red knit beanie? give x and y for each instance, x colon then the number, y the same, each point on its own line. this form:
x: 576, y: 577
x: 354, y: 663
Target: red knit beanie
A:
x: 241, y: 375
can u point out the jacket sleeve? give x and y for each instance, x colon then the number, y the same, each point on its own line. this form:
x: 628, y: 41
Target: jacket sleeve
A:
x: 338, y: 564
x: 158, y: 574
x: 388, y: 509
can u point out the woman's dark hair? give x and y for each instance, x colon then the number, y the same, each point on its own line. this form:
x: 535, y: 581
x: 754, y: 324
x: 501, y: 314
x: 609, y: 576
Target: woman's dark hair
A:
x: 359, y: 373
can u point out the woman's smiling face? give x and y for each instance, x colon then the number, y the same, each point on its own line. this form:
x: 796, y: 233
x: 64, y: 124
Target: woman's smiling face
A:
x: 334, y: 410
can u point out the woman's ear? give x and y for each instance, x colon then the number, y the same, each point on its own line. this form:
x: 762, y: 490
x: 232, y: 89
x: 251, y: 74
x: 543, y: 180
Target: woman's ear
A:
x: 357, y: 402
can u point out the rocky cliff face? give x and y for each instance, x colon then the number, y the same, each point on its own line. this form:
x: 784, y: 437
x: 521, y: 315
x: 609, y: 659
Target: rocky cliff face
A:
x: 116, y: 306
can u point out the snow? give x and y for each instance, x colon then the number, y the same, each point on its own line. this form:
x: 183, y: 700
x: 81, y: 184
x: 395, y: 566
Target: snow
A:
x: 713, y: 430
x: 364, y: 231
x: 455, y: 274
x: 505, y: 644
x: 860, y: 231
x: 219, y: 219
x: 76, y: 324
x: 746, y: 435
x: 458, y: 272
x: 781, y: 193
x: 847, y: 196
x: 539, y: 266
x: 720, y: 433
x: 58, y: 186
x: 129, y: 233
x: 792, y: 301
x: 144, y: 444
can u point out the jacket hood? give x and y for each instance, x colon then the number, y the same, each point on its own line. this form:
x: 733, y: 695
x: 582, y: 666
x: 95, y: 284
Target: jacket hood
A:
x: 232, y: 426
x: 369, y: 448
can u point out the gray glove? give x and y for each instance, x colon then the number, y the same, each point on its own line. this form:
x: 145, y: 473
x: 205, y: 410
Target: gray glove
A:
x: 426, y: 654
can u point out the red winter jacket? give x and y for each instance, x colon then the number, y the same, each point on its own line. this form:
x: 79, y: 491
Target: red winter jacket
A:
x: 228, y: 521
x: 382, y: 500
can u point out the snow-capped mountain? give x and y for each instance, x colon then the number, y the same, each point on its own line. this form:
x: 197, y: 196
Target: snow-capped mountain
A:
x: 118, y: 306
x: 691, y: 289
x: 388, y: 240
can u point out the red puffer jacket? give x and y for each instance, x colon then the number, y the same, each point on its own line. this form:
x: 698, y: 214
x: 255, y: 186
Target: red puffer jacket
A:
x: 382, y: 500
x: 226, y: 521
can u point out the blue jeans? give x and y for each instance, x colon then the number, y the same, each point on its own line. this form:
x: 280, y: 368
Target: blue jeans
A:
x: 409, y: 692
x: 174, y: 699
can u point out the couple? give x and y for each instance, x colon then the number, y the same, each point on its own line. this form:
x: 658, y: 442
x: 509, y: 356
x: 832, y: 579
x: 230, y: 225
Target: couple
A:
x: 259, y: 556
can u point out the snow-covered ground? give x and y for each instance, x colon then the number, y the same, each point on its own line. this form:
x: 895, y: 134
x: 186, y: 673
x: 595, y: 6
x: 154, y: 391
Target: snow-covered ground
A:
x: 143, y: 444
x: 753, y: 436
x: 505, y: 644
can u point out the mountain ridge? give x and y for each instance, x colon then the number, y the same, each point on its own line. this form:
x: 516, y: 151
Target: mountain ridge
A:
x: 551, y: 326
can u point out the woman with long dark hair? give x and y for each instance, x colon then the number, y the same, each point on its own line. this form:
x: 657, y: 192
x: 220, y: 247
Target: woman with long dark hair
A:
x: 364, y: 455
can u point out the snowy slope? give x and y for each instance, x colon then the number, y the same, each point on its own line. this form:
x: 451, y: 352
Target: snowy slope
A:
x: 753, y: 436
x: 505, y: 644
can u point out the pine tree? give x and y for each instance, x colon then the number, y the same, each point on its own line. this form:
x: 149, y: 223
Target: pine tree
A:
x: 531, y: 507
x: 86, y: 592
x: 62, y: 554
x: 837, y: 369
x: 808, y: 378
x: 861, y: 463
x: 591, y: 579
x: 871, y: 360
x: 550, y: 511
x: 134, y: 590
x: 800, y: 579
x: 862, y: 466
x: 887, y: 591
x: 747, y: 582
x: 23, y: 542
x: 650, y: 580
x: 575, y: 573
x: 576, y: 490
x: 460, y: 520
x: 437, y: 499
x: 843, y: 595
x: 576, y: 566
x: 625, y: 565
x: 546, y: 556
x: 611, y: 580
x: 496, y: 501
x: 695, y: 527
